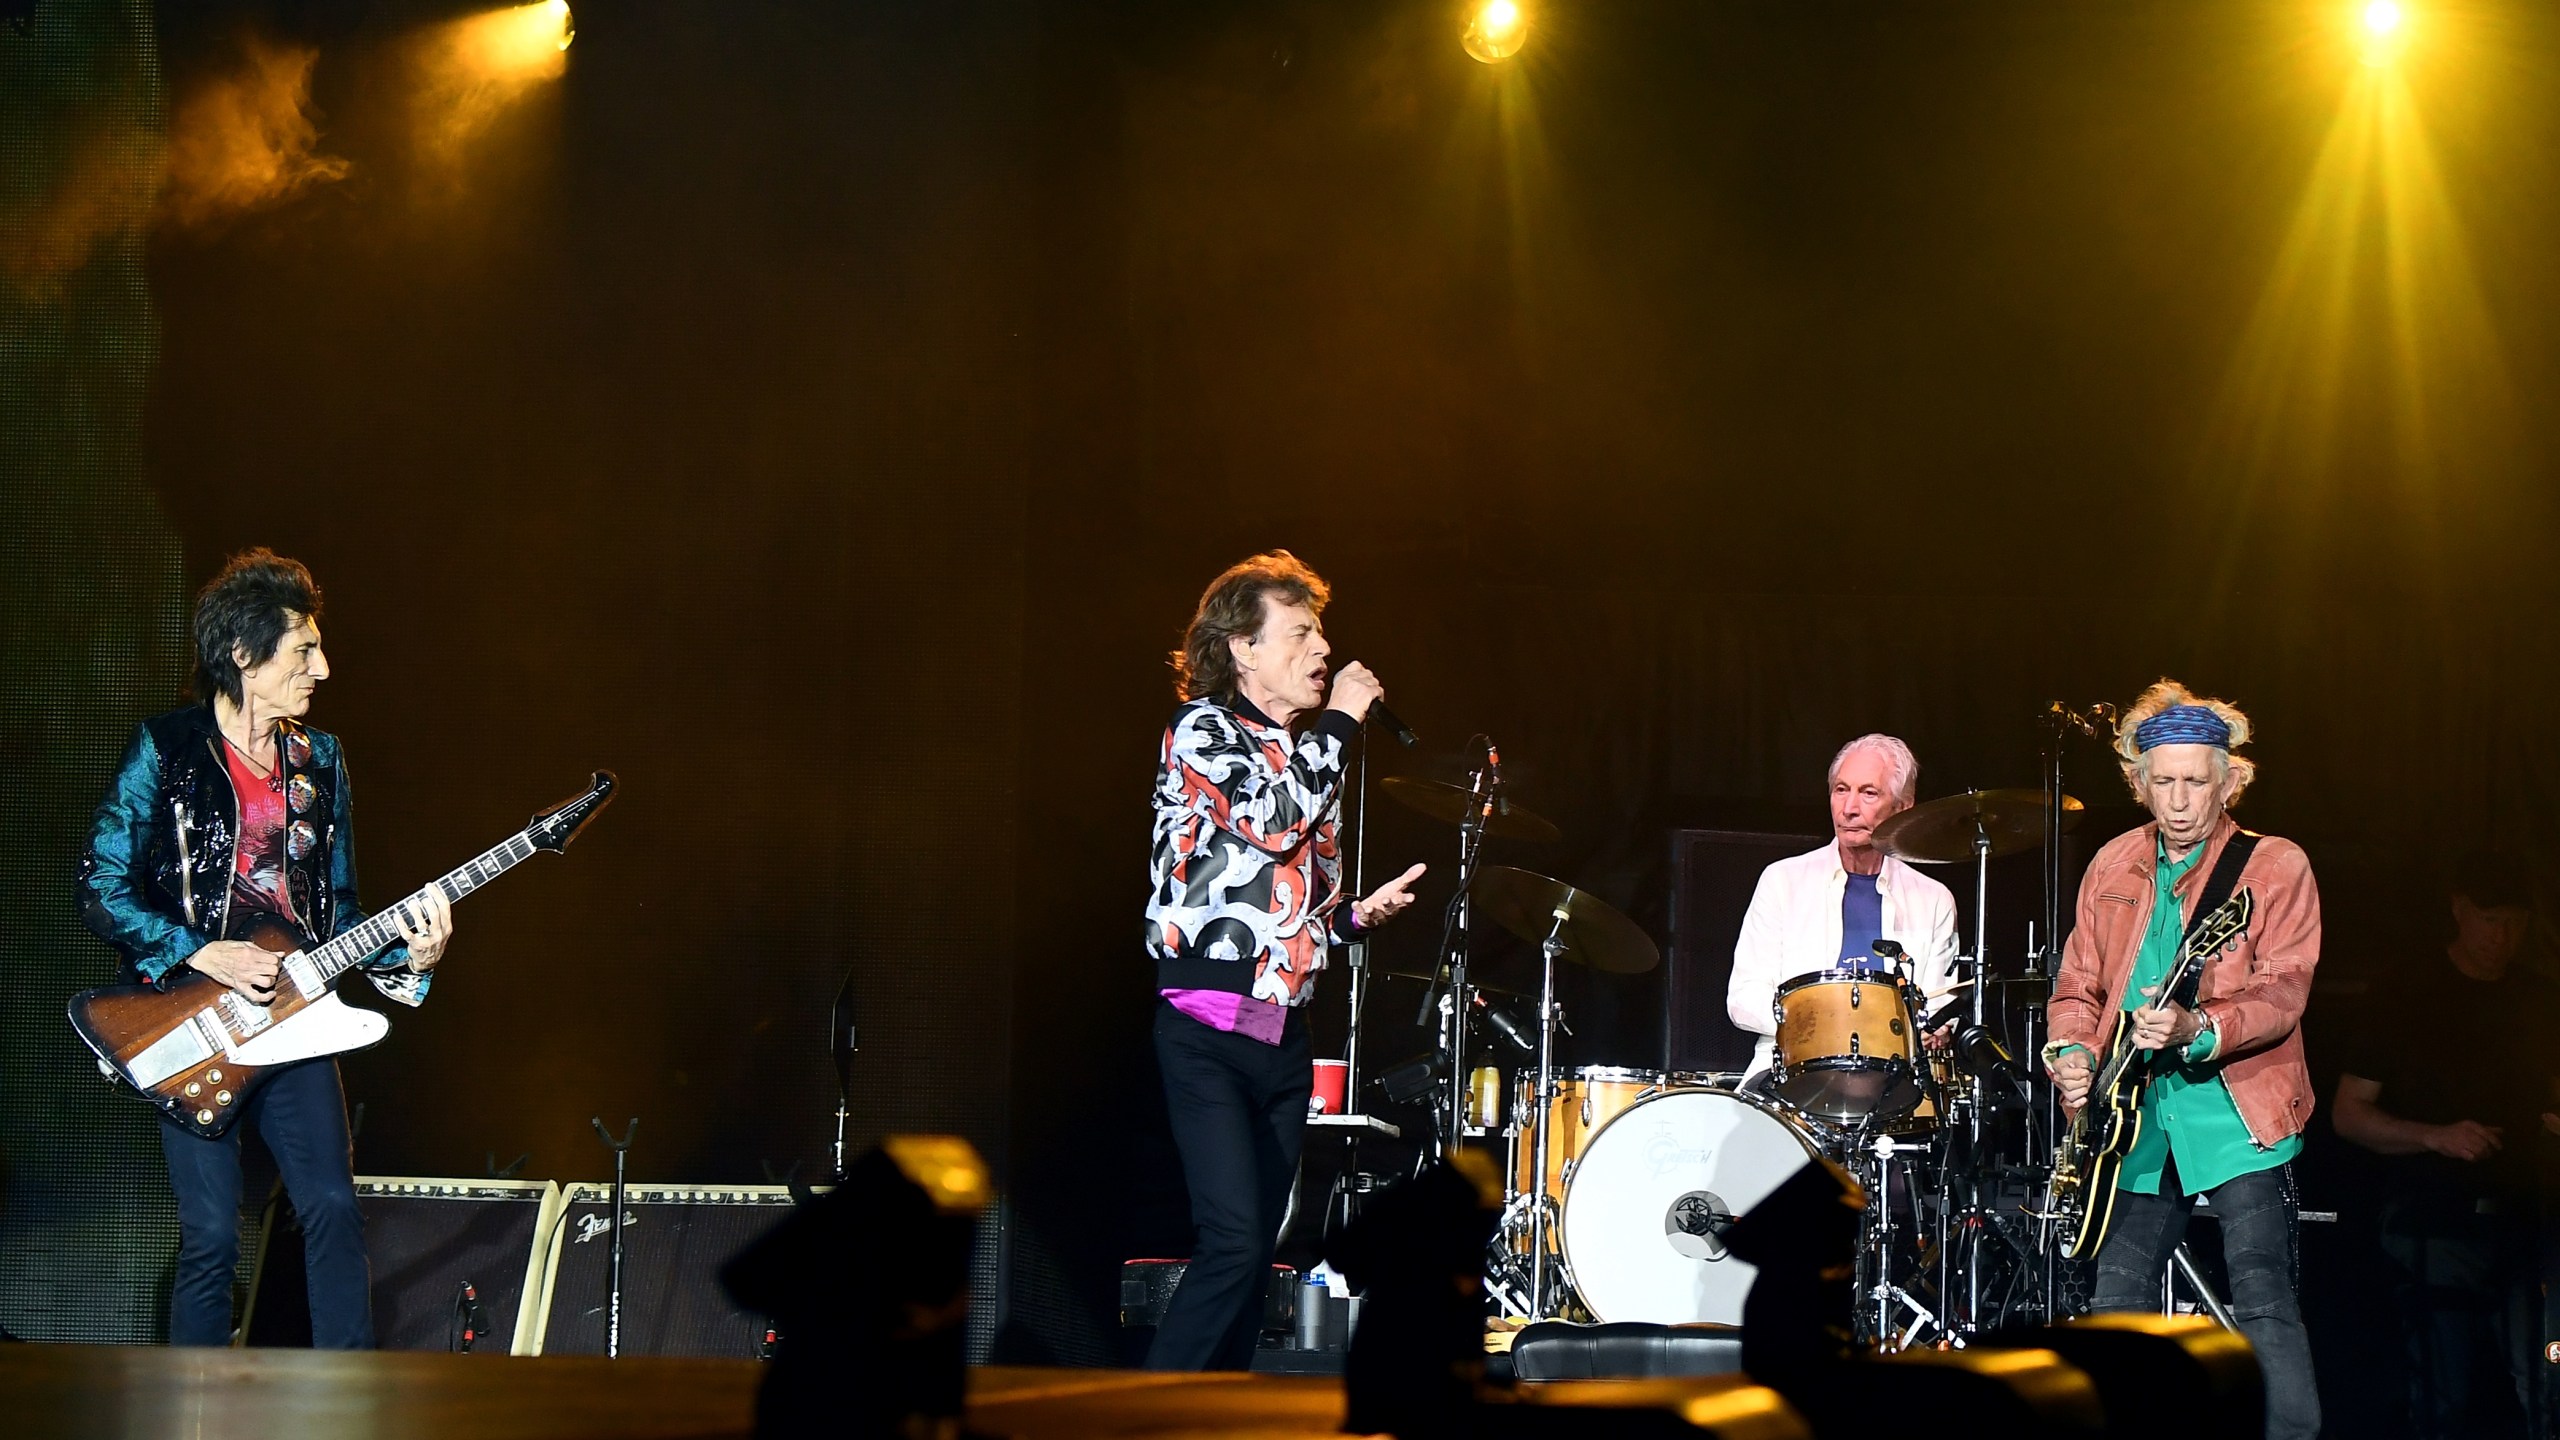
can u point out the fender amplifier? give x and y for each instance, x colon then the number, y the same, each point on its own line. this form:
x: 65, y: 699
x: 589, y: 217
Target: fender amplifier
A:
x: 426, y: 1239
x: 675, y: 1238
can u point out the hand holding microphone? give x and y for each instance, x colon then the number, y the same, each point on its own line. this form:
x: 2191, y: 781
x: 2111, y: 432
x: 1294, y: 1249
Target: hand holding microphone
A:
x: 1357, y: 693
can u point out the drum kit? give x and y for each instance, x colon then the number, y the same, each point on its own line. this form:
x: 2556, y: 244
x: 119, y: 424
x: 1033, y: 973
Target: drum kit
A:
x: 1622, y: 1181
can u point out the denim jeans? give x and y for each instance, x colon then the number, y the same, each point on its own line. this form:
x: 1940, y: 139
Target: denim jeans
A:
x: 301, y: 1114
x: 2260, y: 1220
x: 1239, y: 1112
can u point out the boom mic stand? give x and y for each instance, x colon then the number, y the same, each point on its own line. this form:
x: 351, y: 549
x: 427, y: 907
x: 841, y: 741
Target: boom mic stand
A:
x: 843, y: 1040
x: 613, y: 1305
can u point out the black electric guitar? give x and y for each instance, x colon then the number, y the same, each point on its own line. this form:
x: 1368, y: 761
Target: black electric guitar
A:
x: 2081, y: 1197
x: 197, y: 1049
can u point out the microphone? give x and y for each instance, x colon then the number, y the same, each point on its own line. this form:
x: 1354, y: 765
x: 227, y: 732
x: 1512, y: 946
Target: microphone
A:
x: 1508, y: 1024
x: 1379, y: 713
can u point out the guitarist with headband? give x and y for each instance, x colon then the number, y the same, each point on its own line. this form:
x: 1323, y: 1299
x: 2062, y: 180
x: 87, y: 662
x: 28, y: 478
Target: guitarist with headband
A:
x: 2215, y: 1095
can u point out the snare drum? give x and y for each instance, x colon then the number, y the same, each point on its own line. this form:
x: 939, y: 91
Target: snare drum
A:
x: 1591, y: 1098
x: 1844, y: 1048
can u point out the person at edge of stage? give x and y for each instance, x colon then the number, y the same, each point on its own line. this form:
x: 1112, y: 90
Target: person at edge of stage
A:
x: 1827, y: 908
x: 1247, y: 870
x: 2229, y: 1095
x: 230, y: 806
x: 2462, y: 1131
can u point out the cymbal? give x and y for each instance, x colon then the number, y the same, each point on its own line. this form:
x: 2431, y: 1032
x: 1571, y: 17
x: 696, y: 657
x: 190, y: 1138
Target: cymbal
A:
x: 1941, y: 832
x: 1443, y: 801
x: 1532, y: 906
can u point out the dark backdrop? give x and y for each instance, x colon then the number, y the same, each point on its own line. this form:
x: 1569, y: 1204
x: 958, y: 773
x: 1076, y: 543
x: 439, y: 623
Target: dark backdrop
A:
x: 827, y: 415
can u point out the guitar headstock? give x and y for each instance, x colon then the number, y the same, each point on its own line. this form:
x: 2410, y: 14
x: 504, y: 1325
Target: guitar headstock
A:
x: 554, y: 828
x: 2224, y: 925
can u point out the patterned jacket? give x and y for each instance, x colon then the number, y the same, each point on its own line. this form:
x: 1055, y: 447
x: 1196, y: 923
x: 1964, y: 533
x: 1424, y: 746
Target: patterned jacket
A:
x: 155, y: 882
x: 1247, y: 864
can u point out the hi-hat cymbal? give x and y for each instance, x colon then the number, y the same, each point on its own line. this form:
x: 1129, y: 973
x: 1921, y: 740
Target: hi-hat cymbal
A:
x: 1532, y: 907
x: 1451, y: 803
x: 1942, y: 831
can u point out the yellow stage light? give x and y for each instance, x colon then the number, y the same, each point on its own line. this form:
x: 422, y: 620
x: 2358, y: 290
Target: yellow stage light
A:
x: 1496, y: 29
x: 2386, y: 28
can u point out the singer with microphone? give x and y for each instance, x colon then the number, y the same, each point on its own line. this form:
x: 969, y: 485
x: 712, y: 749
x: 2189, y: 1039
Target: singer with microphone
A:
x: 1246, y: 901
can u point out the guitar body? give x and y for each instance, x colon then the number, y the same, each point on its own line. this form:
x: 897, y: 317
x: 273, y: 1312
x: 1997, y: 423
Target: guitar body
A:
x: 2080, y: 1196
x: 198, y: 1051
x: 2108, y: 1128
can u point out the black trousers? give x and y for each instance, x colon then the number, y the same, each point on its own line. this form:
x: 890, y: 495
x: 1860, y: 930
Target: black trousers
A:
x: 1239, y: 1112
x: 302, y: 1115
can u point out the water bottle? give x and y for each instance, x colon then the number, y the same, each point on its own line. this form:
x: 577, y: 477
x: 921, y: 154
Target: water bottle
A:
x: 1315, y: 1298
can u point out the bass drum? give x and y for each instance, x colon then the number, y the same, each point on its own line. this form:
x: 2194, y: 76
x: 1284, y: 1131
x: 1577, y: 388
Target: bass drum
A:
x: 1654, y: 1193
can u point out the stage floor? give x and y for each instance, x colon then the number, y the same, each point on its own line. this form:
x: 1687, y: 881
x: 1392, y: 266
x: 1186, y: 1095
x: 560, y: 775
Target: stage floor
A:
x: 112, y: 1391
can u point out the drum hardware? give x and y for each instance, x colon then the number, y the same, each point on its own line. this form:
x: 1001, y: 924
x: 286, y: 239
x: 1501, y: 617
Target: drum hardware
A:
x: 1461, y: 804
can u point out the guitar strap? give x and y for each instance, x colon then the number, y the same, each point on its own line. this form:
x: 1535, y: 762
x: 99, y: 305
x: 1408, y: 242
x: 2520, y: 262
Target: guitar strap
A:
x: 2217, y: 889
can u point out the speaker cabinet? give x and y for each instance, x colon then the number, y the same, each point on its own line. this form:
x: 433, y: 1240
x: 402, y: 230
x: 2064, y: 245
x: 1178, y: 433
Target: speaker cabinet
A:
x: 1713, y: 873
x: 675, y: 1238
x: 426, y: 1239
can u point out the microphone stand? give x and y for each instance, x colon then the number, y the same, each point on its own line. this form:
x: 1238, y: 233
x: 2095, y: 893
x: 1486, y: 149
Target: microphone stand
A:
x: 613, y: 1305
x: 1358, y: 949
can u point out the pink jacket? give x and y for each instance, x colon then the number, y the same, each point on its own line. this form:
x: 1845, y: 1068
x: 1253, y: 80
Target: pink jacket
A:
x: 2254, y: 992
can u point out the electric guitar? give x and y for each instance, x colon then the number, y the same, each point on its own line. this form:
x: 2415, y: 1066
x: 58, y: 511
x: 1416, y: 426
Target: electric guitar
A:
x: 2081, y: 1197
x: 198, y: 1050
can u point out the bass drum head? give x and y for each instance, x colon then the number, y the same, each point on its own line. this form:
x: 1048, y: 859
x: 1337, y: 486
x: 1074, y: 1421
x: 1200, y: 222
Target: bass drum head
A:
x: 1653, y: 1194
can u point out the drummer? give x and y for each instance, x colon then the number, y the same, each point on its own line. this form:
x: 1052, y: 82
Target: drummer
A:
x: 1826, y: 909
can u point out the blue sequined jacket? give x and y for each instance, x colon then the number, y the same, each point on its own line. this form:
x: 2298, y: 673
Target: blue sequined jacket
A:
x: 155, y: 882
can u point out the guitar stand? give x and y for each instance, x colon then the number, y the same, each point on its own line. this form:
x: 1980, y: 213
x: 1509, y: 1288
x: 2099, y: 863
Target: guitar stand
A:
x: 613, y: 1305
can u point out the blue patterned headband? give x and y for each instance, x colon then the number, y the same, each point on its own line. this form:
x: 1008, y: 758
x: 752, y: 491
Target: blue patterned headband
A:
x: 2182, y: 725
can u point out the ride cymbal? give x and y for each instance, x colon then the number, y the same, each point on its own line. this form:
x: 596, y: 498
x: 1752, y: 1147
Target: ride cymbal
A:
x: 1593, y: 933
x: 1942, y: 831
x: 1452, y: 804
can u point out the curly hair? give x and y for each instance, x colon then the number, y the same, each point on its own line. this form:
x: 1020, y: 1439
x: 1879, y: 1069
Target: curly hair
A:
x: 2167, y: 694
x: 248, y: 607
x: 1232, y: 606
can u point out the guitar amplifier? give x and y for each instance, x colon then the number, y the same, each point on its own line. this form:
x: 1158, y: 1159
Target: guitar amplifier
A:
x: 675, y: 1238
x: 425, y: 1238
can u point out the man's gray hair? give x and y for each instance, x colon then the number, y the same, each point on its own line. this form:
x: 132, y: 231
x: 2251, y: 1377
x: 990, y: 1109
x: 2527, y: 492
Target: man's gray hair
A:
x: 1901, y: 767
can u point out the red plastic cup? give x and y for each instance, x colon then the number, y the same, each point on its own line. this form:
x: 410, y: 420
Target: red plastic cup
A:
x: 1333, y: 1088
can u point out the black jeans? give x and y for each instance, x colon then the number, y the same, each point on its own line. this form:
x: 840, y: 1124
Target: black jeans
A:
x: 2260, y: 1217
x: 2469, y: 1294
x: 1239, y: 1111
x: 302, y: 1115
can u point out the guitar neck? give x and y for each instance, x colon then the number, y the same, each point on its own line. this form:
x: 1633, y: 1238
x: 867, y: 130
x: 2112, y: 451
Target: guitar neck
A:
x: 351, y: 948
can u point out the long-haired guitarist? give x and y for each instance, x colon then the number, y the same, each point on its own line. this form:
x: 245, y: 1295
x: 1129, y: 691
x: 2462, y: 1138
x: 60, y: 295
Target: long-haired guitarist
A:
x: 223, y: 812
x: 2224, y: 1093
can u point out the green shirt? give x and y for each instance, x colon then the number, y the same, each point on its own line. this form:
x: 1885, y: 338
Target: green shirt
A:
x: 2186, y: 1110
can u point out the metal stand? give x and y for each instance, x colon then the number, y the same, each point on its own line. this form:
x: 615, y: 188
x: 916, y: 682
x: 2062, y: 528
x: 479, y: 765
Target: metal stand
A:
x: 613, y: 1306
x: 1483, y: 788
x: 1538, y: 1207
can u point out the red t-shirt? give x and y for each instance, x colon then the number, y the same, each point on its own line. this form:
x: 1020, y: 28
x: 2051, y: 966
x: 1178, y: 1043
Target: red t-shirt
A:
x: 257, y: 881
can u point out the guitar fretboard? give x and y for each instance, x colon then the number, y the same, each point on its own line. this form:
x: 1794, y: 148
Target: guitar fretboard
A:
x: 353, y: 947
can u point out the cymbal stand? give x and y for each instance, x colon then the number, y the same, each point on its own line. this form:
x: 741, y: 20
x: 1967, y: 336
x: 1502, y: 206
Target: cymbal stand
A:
x: 1978, y: 1083
x: 1483, y: 788
x: 1540, y: 1202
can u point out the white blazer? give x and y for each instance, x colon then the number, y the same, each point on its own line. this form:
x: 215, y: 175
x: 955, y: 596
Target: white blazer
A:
x: 1793, y: 928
